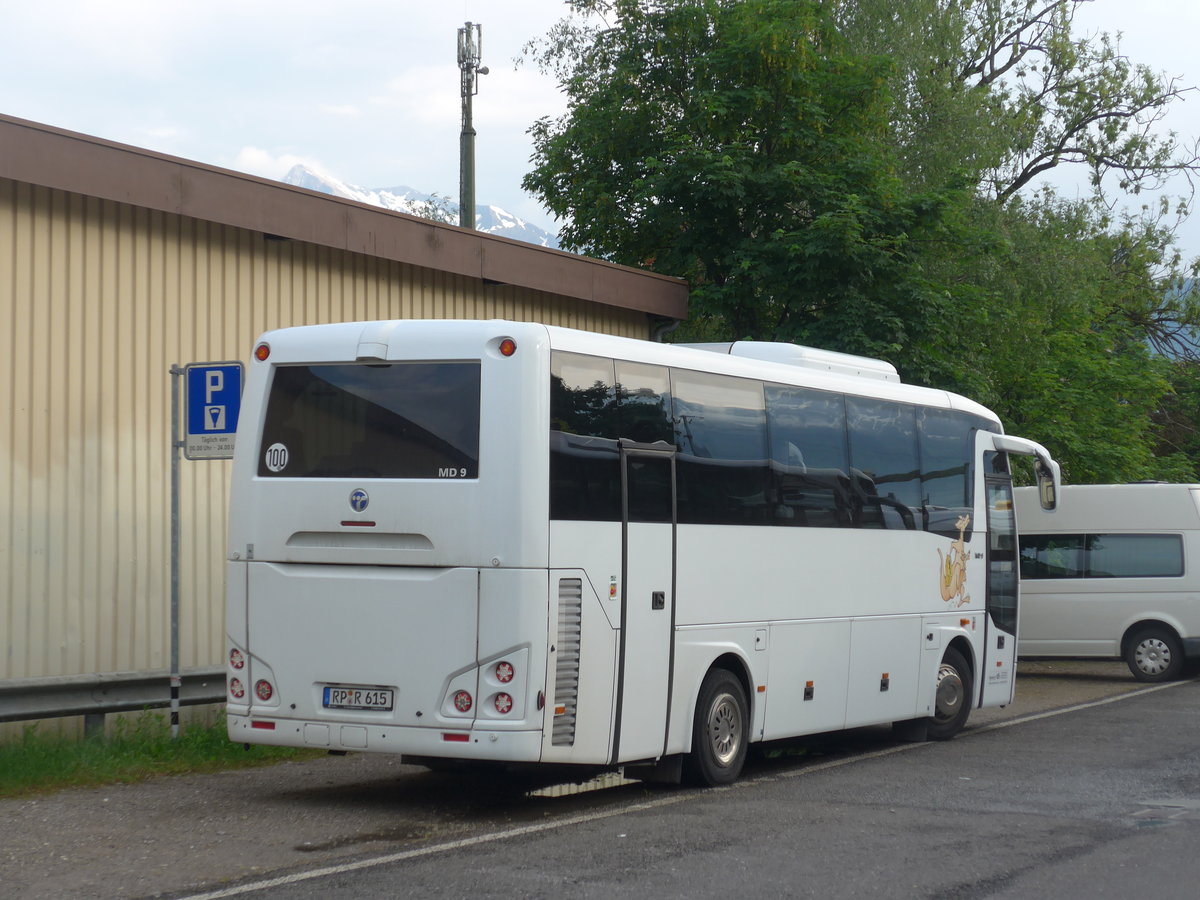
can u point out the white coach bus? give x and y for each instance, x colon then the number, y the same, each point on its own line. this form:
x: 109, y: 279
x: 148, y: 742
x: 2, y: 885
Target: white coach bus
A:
x: 493, y: 541
x: 1114, y: 574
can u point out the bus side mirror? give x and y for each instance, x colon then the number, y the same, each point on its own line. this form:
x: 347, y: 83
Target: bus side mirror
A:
x: 1047, y: 494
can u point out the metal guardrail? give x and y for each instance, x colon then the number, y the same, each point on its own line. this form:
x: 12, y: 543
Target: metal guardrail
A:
x: 94, y: 695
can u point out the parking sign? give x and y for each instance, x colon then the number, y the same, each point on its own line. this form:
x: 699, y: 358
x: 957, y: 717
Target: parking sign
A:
x: 214, y: 398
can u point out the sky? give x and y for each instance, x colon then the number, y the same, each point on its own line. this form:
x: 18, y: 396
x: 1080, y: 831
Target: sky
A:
x: 368, y: 91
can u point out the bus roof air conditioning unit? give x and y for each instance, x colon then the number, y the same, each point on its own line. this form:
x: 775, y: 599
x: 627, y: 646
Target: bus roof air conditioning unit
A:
x: 806, y: 357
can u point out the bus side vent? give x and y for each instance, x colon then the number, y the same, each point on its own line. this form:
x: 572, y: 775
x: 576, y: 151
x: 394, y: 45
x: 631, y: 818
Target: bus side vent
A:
x: 566, y: 673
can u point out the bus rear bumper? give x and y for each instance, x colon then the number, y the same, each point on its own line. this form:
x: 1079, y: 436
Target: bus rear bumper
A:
x: 477, y: 743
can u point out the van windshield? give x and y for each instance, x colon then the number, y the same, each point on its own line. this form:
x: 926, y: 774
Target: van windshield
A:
x: 353, y: 420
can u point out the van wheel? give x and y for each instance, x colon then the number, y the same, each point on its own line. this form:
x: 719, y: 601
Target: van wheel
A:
x: 1154, y: 654
x: 720, y: 733
x: 952, y: 703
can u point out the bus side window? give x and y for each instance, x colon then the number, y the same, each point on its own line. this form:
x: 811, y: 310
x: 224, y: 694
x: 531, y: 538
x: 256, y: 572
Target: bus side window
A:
x: 884, y: 461
x: 721, y: 433
x: 644, y: 403
x: 810, y: 480
x: 947, y: 442
x: 585, y: 475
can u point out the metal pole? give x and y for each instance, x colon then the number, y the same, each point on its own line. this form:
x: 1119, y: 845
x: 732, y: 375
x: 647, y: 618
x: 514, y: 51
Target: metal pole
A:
x: 176, y: 444
x: 466, y: 176
x: 470, y: 47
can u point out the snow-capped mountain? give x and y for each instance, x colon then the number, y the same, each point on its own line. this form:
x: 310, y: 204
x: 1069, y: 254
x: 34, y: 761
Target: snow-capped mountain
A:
x: 491, y: 219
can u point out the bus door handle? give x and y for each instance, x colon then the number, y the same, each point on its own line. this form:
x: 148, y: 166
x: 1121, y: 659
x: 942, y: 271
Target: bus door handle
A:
x: 658, y: 600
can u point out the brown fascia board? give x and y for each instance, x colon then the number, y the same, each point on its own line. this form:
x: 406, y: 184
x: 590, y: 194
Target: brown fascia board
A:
x: 54, y: 158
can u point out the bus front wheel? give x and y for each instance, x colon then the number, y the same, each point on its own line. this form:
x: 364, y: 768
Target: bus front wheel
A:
x: 952, y: 704
x: 1154, y: 654
x: 721, y: 730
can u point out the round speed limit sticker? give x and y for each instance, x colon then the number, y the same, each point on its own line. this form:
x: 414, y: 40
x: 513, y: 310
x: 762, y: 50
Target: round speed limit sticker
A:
x: 276, y: 457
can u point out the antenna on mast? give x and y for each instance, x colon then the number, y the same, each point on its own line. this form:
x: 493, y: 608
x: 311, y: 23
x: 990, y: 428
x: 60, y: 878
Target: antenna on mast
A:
x: 470, y: 49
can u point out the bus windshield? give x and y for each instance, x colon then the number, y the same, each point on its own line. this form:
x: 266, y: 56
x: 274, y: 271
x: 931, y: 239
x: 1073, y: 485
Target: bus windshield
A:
x: 397, y: 420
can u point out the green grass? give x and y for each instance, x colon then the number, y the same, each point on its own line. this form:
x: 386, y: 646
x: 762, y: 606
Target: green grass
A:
x: 136, y: 750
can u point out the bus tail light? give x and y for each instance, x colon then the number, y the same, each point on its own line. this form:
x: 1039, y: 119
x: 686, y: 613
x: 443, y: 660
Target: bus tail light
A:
x: 462, y: 701
x: 504, y: 703
x: 237, y: 690
x: 264, y: 690
x: 237, y: 659
x: 504, y: 672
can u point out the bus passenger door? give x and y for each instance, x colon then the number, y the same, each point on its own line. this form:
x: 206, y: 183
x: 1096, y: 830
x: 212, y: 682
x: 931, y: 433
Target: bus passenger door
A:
x: 647, y: 601
x: 997, y: 674
x: 998, y: 668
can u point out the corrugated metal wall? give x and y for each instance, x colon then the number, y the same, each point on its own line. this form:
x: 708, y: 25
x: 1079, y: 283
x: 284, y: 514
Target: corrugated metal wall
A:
x: 97, y: 301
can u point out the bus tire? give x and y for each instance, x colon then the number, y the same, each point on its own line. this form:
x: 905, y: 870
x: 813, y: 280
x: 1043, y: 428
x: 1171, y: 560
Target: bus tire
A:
x: 952, y: 699
x: 1154, y: 654
x: 721, y: 731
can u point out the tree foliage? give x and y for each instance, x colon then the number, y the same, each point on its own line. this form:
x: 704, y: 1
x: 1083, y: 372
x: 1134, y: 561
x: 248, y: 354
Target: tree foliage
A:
x: 859, y: 175
x: 1012, y: 91
x: 737, y: 145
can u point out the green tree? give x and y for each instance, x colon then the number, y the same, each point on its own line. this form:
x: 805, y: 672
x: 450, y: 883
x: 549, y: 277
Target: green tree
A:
x: 1063, y: 354
x: 741, y: 146
x: 1002, y: 91
x: 1068, y: 319
x: 855, y: 174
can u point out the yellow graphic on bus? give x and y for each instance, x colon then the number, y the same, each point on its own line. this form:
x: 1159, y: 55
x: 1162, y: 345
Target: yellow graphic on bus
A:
x: 953, y: 568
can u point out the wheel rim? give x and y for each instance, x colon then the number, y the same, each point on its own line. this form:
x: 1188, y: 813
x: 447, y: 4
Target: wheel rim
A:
x: 1153, y: 656
x: 950, y: 693
x: 724, y: 729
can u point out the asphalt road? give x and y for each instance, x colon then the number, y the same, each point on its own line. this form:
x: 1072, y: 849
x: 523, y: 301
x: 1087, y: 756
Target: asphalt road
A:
x: 1102, y: 799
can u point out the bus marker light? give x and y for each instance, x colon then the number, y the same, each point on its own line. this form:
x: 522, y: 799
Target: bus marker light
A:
x: 560, y: 710
x: 462, y: 701
x: 508, y: 347
x: 262, y: 351
x: 265, y: 726
x: 263, y: 690
x: 503, y: 704
x: 964, y: 622
x: 504, y: 672
x: 456, y: 737
x: 364, y: 524
x: 762, y: 688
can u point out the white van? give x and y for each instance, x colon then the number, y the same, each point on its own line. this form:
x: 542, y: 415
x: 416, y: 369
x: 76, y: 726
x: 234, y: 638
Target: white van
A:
x: 1114, y: 572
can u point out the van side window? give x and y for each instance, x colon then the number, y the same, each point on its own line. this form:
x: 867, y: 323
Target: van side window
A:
x: 1101, y: 556
x: 1134, y: 556
x: 1052, y: 556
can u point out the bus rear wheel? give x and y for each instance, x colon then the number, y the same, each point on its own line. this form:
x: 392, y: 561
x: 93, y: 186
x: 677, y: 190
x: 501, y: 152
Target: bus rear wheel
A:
x: 1154, y: 654
x: 952, y: 703
x: 721, y: 731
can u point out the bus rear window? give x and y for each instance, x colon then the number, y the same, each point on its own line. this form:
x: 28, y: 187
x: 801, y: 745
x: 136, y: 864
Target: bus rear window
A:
x: 394, y: 420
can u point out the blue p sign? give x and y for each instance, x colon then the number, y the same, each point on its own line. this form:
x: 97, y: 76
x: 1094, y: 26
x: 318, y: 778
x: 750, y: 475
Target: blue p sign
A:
x: 214, y: 399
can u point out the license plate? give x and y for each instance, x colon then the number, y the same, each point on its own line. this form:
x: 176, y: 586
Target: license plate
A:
x: 358, y: 697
